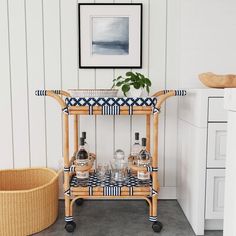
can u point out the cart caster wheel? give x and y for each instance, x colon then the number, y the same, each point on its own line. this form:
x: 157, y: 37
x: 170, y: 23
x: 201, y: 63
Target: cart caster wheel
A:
x: 157, y: 226
x: 79, y: 201
x: 70, y: 226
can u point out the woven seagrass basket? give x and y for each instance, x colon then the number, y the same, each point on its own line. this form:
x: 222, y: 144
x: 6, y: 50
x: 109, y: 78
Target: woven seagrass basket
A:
x: 28, y: 200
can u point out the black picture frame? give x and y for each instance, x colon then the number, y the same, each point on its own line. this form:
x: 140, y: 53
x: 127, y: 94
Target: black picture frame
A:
x: 86, y: 57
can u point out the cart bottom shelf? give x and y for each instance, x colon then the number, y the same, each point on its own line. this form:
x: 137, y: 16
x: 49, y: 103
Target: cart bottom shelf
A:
x: 96, y: 188
x: 106, y: 187
x: 101, y: 194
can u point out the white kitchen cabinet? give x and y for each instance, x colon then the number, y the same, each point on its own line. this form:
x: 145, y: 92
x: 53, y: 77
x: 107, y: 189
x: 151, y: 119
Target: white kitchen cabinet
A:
x: 202, y: 137
x: 216, y: 110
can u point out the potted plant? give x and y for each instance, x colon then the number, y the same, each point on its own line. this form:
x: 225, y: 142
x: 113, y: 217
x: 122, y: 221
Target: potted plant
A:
x: 133, y: 84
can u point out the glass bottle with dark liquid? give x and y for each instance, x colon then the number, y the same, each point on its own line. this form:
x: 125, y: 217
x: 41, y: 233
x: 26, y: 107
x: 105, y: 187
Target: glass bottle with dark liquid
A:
x: 136, y: 148
x: 82, y: 159
x: 86, y: 146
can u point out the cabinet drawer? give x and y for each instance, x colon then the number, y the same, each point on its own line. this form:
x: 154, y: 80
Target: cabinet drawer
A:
x: 216, y: 109
x: 216, y: 144
x: 215, y: 187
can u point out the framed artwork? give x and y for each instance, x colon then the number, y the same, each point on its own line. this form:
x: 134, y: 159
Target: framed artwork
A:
x: 110, y: 35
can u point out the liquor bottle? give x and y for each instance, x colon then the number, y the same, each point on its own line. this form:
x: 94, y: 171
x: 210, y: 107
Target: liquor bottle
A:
x: 82, y: 159
x: 86, y: 146
x: 136, y: 148
x: 144, y: 159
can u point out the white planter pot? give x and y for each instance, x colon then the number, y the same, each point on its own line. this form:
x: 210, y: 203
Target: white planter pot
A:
x: 135, y: 92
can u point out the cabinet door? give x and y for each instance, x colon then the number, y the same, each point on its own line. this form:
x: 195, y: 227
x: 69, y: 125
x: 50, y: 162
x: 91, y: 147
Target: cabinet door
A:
x: 216, y: 148
x: 216, y: 109
x: 215, y: 186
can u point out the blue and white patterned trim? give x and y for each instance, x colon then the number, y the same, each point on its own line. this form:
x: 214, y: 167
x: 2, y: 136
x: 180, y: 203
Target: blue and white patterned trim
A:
x: 90, y: 110
x: 166, y: 91
x: 67, y: 192
x: 156, y: 110
x: 69, y: 218
x: 153, y: 192
x: 152, y: 169
x: 111, y: 110
x: 153, y: 218
x: 90, y: 191
x: 110, y: 105
x: 111, y: 191
x: 57, y: 91
x: 130, y: 110
x: 111, y: 101
x: 131, y: 191
x: 44, y: 92
x: 72, y: 168
x: 41, y: 93
x: 66, y: 169
x: 65, y: 110
x: 108, y: 186
x: 179, y: 92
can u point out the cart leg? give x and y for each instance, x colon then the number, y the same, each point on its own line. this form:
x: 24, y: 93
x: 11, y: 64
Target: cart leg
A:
x: 157, y: 226
x: 70, y: 224
x: 76, y: 133
x: 148, y: 122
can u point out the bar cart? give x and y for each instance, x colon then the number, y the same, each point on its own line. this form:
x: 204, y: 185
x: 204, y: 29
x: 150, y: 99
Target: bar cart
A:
x: 76, y: 106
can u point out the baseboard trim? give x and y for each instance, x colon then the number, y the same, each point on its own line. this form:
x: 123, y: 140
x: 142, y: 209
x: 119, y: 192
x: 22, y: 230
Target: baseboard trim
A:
x: 167, y: 193
x: 214, y: 224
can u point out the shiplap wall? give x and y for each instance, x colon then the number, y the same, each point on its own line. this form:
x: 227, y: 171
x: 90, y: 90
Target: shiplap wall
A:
x: 207, y: 40
x: 39, y: 49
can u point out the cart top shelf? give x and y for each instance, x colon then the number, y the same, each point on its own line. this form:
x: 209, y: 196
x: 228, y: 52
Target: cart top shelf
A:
x: 110, y: 105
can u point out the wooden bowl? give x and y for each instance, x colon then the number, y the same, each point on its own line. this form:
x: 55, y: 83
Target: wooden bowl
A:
x: 218, y: 81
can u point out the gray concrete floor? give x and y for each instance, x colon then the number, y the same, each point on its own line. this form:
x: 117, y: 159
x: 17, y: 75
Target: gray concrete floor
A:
x: 123, y: 218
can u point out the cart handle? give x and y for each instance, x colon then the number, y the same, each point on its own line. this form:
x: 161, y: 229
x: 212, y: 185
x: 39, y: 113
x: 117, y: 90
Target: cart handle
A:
x: 54, y: 94
x: 58, y: 92
x: 164, y: 94
x: 178, y: 92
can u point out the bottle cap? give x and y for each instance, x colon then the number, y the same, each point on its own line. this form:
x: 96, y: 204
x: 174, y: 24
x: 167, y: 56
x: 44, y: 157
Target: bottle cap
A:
x: 84, y: 135
x: 144, y: 141
x: 136, y: 136
x: 81, y: 141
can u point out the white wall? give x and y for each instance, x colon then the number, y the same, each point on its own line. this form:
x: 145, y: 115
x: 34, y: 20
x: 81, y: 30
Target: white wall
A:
x: 207, y: 36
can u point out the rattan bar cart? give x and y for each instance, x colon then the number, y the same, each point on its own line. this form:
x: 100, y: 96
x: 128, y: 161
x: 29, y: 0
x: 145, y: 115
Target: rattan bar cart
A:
x: 73, y: 106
